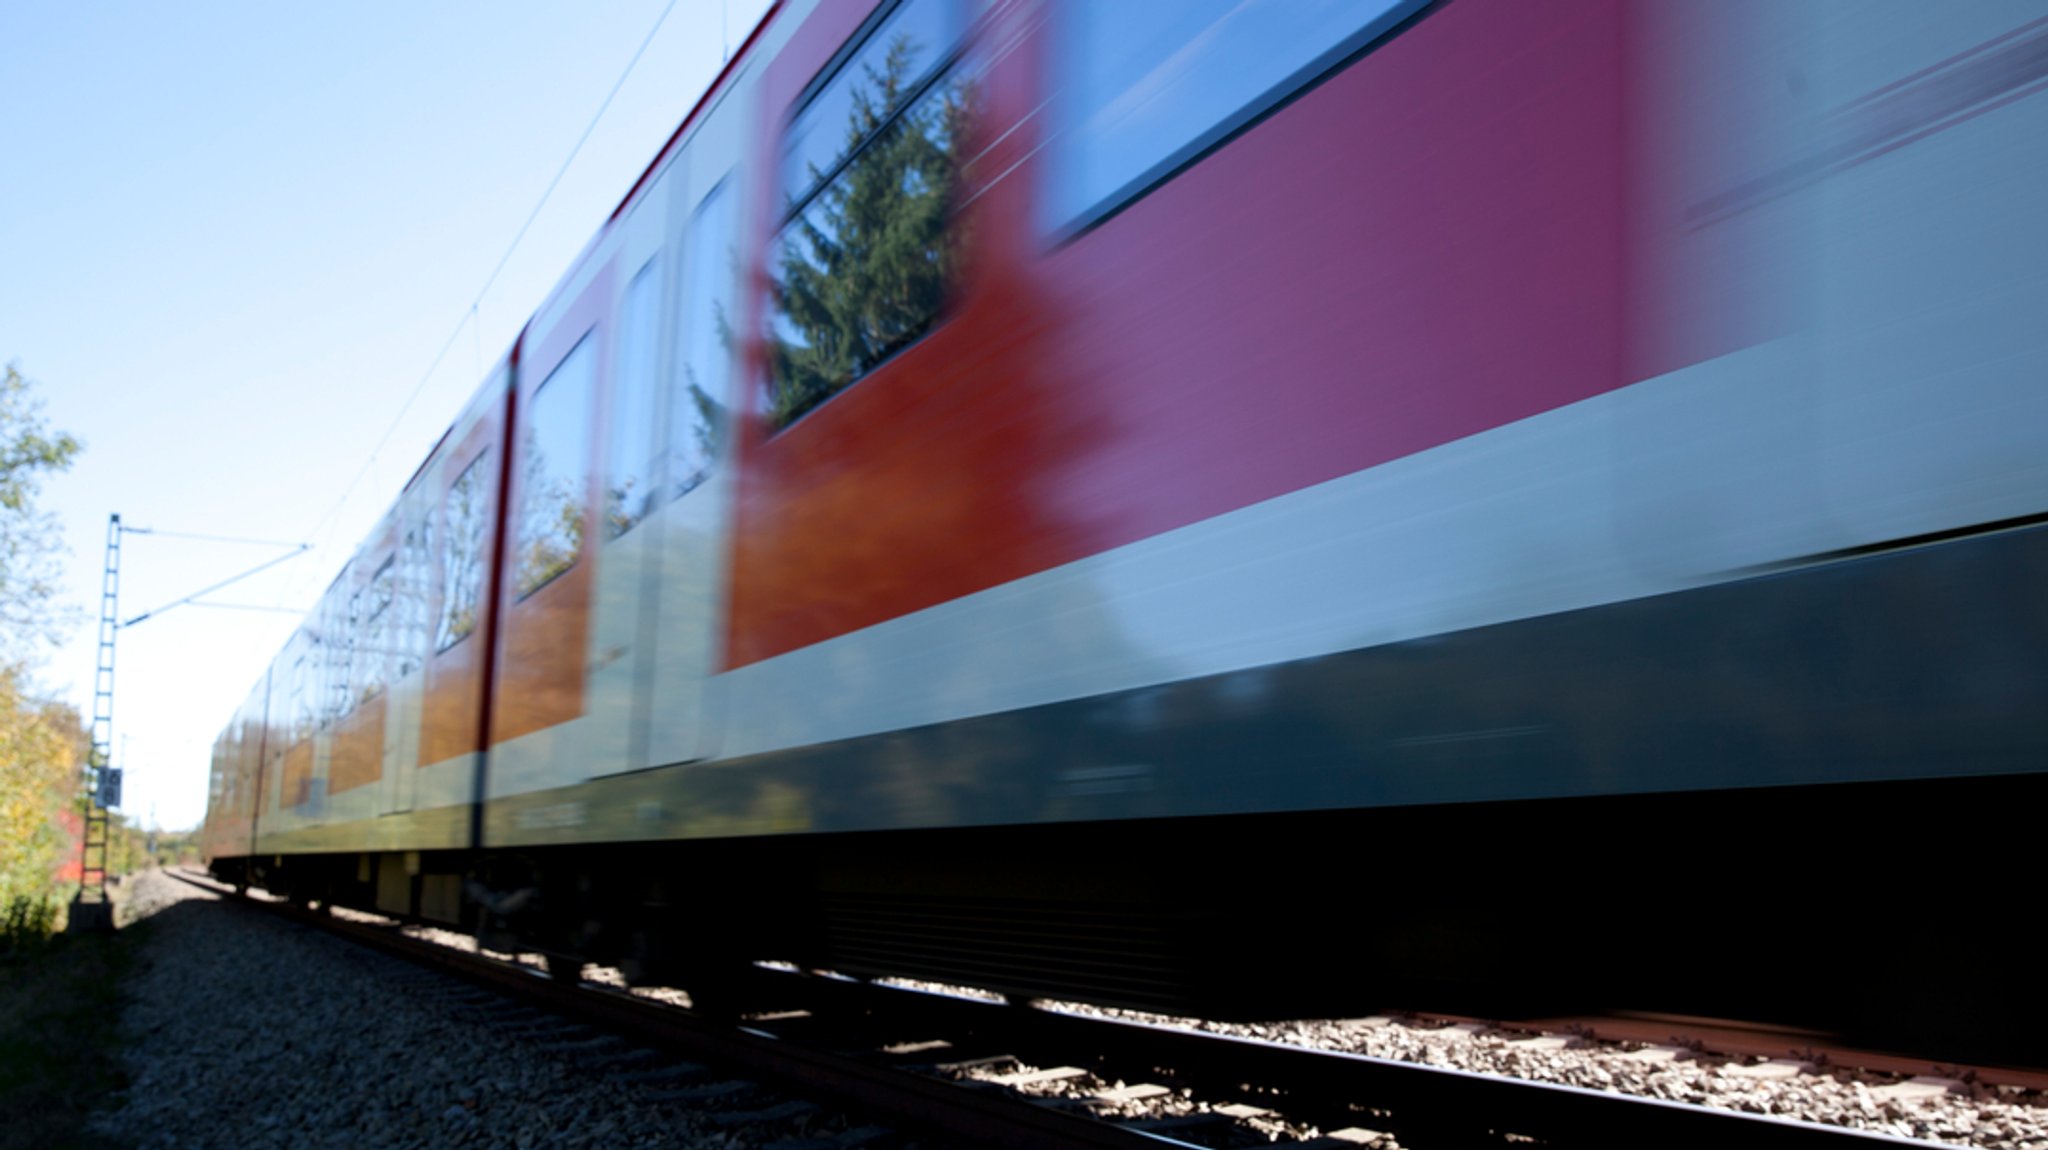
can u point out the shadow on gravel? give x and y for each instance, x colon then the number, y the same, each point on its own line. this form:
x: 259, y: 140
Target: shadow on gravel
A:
x: 60, y: 1016
x: 60, y: 1028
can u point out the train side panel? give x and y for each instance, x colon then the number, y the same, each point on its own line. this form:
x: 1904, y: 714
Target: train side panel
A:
x: 373, y: 724
x: 609, y: 643
x: 1620, y: 423
x: 232, y: 793
x: 1686, y: 300
x: 1377, y: 476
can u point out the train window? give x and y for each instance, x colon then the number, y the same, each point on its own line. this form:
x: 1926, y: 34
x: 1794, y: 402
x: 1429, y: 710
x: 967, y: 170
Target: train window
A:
x: 1146, y: 89
x: 879, y: 74
x: 870, y: 173
x: 415, y: 586
x: 698, y: 415
x: 629, y: 481
x: 462, y: 555
x: 301, y: 705
x: 552, y: 462
x: 316, y: 675
x: 377, y: 629
x: 341, y: 654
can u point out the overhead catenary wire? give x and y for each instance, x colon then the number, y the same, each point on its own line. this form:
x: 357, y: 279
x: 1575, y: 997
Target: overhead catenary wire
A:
x: 294, y: 553
x: 470, y: 317
x: 193, y: 535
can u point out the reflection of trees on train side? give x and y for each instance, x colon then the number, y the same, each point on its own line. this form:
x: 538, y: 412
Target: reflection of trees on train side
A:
x: 707, y: 428
x: 702, y: 421
x: 865, y: 266
x: 696, y: 420
x: 872, y: 247
x: 550, y: 524
x: 676, y: 605
x: 697, y: 425
x: 620, y: 503
x: 631, y: 457
x: 415, y: 591
x: 377, y: 629
x: 462, y: 557
x: 553, y: 445
x: 337, y: 649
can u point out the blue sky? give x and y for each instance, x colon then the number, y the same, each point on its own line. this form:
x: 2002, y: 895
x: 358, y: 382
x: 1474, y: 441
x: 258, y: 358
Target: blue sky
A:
x: 233, y: 238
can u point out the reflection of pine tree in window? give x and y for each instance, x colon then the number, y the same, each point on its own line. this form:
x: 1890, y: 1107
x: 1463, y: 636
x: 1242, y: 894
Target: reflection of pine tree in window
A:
x: 707, y: 422
x: 865, y: 260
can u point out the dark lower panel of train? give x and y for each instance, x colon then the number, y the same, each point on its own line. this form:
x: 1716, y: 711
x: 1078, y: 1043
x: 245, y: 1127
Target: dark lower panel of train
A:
x: 1889, y: 913
x: 1925, y: 661
x: 1614, y: 847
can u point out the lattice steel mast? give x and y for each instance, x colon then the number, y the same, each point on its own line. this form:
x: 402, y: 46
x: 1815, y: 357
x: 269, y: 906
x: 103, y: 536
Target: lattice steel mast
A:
x: 102, y: 781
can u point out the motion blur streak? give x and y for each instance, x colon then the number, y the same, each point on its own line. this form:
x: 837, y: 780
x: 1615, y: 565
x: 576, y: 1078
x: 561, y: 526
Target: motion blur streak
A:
x: 1017, y: 488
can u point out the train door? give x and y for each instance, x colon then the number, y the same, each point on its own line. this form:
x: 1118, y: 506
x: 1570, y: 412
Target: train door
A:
x: 685, y: 610
x: 458, y: 551
x: 629, y: 526
x: 542, y: 734
x: 411, y: 610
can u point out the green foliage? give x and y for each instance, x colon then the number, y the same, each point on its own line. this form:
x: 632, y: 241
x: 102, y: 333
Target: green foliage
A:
x: 127, y: 845
x: 864, y: 269
x: 176, y: 848
x: 43, y: 748
x: 42, y: 744
x: 29, y: 543
x: 26, y: 922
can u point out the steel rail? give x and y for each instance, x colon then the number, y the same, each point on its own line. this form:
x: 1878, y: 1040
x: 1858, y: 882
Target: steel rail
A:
x: 901, y: 1099
x: 1427, y: 1105
x: 1439, y: 1103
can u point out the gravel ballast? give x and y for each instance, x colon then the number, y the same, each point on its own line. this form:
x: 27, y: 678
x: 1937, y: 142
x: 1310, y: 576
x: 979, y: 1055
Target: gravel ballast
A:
x: 1957, y: 1112
x: 245, y: 1030
x: 248, y: 1031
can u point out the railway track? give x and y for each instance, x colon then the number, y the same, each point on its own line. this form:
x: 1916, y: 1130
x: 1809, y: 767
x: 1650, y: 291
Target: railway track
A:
x: 979, y: 1073
x: 1731, y: 1038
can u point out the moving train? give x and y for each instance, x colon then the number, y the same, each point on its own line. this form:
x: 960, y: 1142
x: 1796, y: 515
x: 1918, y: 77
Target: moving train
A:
x: 1247, y: 509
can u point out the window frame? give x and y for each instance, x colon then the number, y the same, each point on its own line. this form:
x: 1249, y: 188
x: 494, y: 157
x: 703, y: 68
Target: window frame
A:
x: 789, y: 209
x: 445, y: 601
x: 375, y: 675
x: 415, y: 592
x: 832, y: 70
x: 1059, y: 231
x: 347, y: 608
x: 722, y: 197
x: 587, y: 343
x: 650, y: 278
x: 303, y: 720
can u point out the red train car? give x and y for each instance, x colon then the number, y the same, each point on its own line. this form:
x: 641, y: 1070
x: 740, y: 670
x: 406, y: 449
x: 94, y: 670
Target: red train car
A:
x: 1032, y: 494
